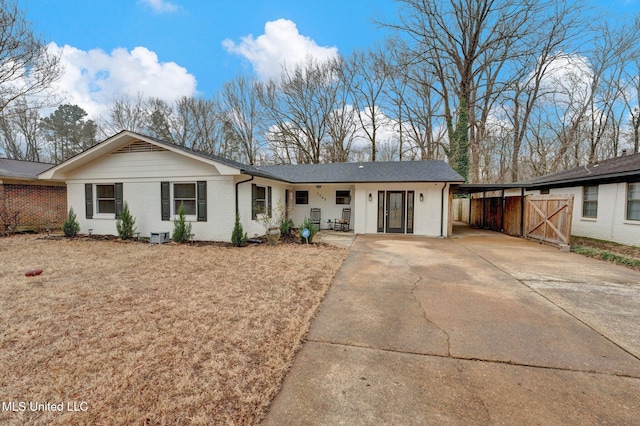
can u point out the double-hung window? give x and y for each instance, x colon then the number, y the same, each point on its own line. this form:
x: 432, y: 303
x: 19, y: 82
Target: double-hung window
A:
x: 633, y: 201
x: 104, y: 200
x: 590, y: 202
x: 192, y: 195
x: 260, y: 200
x: 184, y: 194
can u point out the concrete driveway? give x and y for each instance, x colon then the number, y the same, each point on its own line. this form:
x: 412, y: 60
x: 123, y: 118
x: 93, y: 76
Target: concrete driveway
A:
x: 478, y: 329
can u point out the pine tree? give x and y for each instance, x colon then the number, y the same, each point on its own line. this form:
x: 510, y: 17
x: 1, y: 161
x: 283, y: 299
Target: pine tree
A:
x: 238, y: 236
x: 126, y: 223
x: 181, y: 229
x: 71, y: 227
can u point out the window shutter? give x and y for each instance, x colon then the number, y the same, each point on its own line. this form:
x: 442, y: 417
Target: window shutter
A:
x: 165, y: 200
x: 254, y: 196
x: 202, y: 201
x: 119, y: 199
x: 269, y: 200
x: 88, y: 200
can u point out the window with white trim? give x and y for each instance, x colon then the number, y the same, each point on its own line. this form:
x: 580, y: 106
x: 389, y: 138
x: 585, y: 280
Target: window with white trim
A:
x: 260, y: 200
x: 302, y: 197
x: 185, y: 193
x: 343, y: 197
x: 106, y: 199
x: 633, y: 201
x: 590, y: 201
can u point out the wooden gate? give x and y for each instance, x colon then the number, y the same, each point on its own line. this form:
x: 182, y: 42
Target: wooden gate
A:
x: 548, y: 218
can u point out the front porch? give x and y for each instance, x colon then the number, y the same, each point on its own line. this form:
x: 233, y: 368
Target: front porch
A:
x: 322, y: 203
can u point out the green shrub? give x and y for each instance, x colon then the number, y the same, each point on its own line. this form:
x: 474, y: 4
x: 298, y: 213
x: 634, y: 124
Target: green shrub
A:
x: 238, y: 236
x: 312, y: 230
x: 126, y: 223
x: 71, y: 227
x: 285, y: 226
x: 181, y: 229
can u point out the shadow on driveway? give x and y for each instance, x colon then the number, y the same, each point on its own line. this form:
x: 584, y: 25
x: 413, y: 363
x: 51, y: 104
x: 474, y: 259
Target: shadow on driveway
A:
x: 479, y: 329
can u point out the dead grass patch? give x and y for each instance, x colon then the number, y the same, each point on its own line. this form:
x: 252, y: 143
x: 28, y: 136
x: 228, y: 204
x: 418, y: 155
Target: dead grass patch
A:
x: 621, y: 254
x: 173, y: 334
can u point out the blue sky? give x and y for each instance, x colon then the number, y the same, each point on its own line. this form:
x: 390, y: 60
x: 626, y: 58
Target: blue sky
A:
x: 168, y: 48
x: 190, y: 33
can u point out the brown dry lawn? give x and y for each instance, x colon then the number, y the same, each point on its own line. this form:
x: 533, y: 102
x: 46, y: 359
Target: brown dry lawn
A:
x: 172, y: 334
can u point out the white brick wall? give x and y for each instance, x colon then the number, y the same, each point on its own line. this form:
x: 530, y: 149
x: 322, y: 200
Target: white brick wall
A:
x: 611, y: 223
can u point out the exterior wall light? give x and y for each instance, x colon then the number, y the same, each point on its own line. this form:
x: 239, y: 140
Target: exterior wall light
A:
x: 421, y: 197
x: 370, y: 197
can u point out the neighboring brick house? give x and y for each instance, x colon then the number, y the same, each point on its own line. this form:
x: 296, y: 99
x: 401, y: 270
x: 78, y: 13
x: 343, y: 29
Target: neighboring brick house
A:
x: 33, y: 204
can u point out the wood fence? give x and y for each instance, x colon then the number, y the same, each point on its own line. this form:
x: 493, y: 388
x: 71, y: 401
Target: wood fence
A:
x: 548, y: 218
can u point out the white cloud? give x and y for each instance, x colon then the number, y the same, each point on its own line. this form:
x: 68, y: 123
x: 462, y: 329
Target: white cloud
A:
x: 281, y: 44
x: 161, y: 6
x: 93, y: 79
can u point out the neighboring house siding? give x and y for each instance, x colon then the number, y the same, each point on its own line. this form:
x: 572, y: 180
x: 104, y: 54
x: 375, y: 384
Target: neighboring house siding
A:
x: 39, y: 206
x: 611, y: 223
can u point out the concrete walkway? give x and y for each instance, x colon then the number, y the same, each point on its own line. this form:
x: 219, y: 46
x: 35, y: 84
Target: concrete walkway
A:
x: 479, y: 329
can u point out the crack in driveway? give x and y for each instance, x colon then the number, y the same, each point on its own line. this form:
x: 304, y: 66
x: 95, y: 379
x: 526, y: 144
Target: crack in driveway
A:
x: 424, y: 311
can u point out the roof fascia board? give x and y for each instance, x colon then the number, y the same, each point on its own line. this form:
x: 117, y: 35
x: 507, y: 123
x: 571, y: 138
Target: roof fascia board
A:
x: 116, y: 142
x: 613, y: 177
x: 372, y: 181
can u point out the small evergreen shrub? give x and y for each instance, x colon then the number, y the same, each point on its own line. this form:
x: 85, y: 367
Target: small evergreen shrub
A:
x: 285, y: 226
x: 181, y: 228
x: 71, y: 227
x: 126, y: 223
x: 238, y: 236
x: 312, y: 230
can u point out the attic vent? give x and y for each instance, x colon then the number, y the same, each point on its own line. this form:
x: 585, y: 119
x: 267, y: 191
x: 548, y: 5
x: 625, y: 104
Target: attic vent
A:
x: 138, y: 146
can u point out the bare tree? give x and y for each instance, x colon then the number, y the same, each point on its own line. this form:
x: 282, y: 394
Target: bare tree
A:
x: 19, y: 138
x: 242, y: 116
x: 27, y: 68
x: 126, y: 113
x: 369, y: 72
x: 342, y: 123
x: 592, y: 94
x: 297, y: 110
x: 468, y: 44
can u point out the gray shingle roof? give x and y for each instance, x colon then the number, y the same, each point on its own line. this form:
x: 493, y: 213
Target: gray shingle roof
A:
x: 628, y: 165
x: 387, y: 171
x: 21, y: 169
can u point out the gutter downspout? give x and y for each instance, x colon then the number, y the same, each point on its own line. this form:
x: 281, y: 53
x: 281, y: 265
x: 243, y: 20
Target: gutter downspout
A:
x: 442, y: 211
x: 238, y: 183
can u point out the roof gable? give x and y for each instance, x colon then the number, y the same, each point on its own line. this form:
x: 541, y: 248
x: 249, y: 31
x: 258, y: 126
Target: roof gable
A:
x: 126, y: 142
